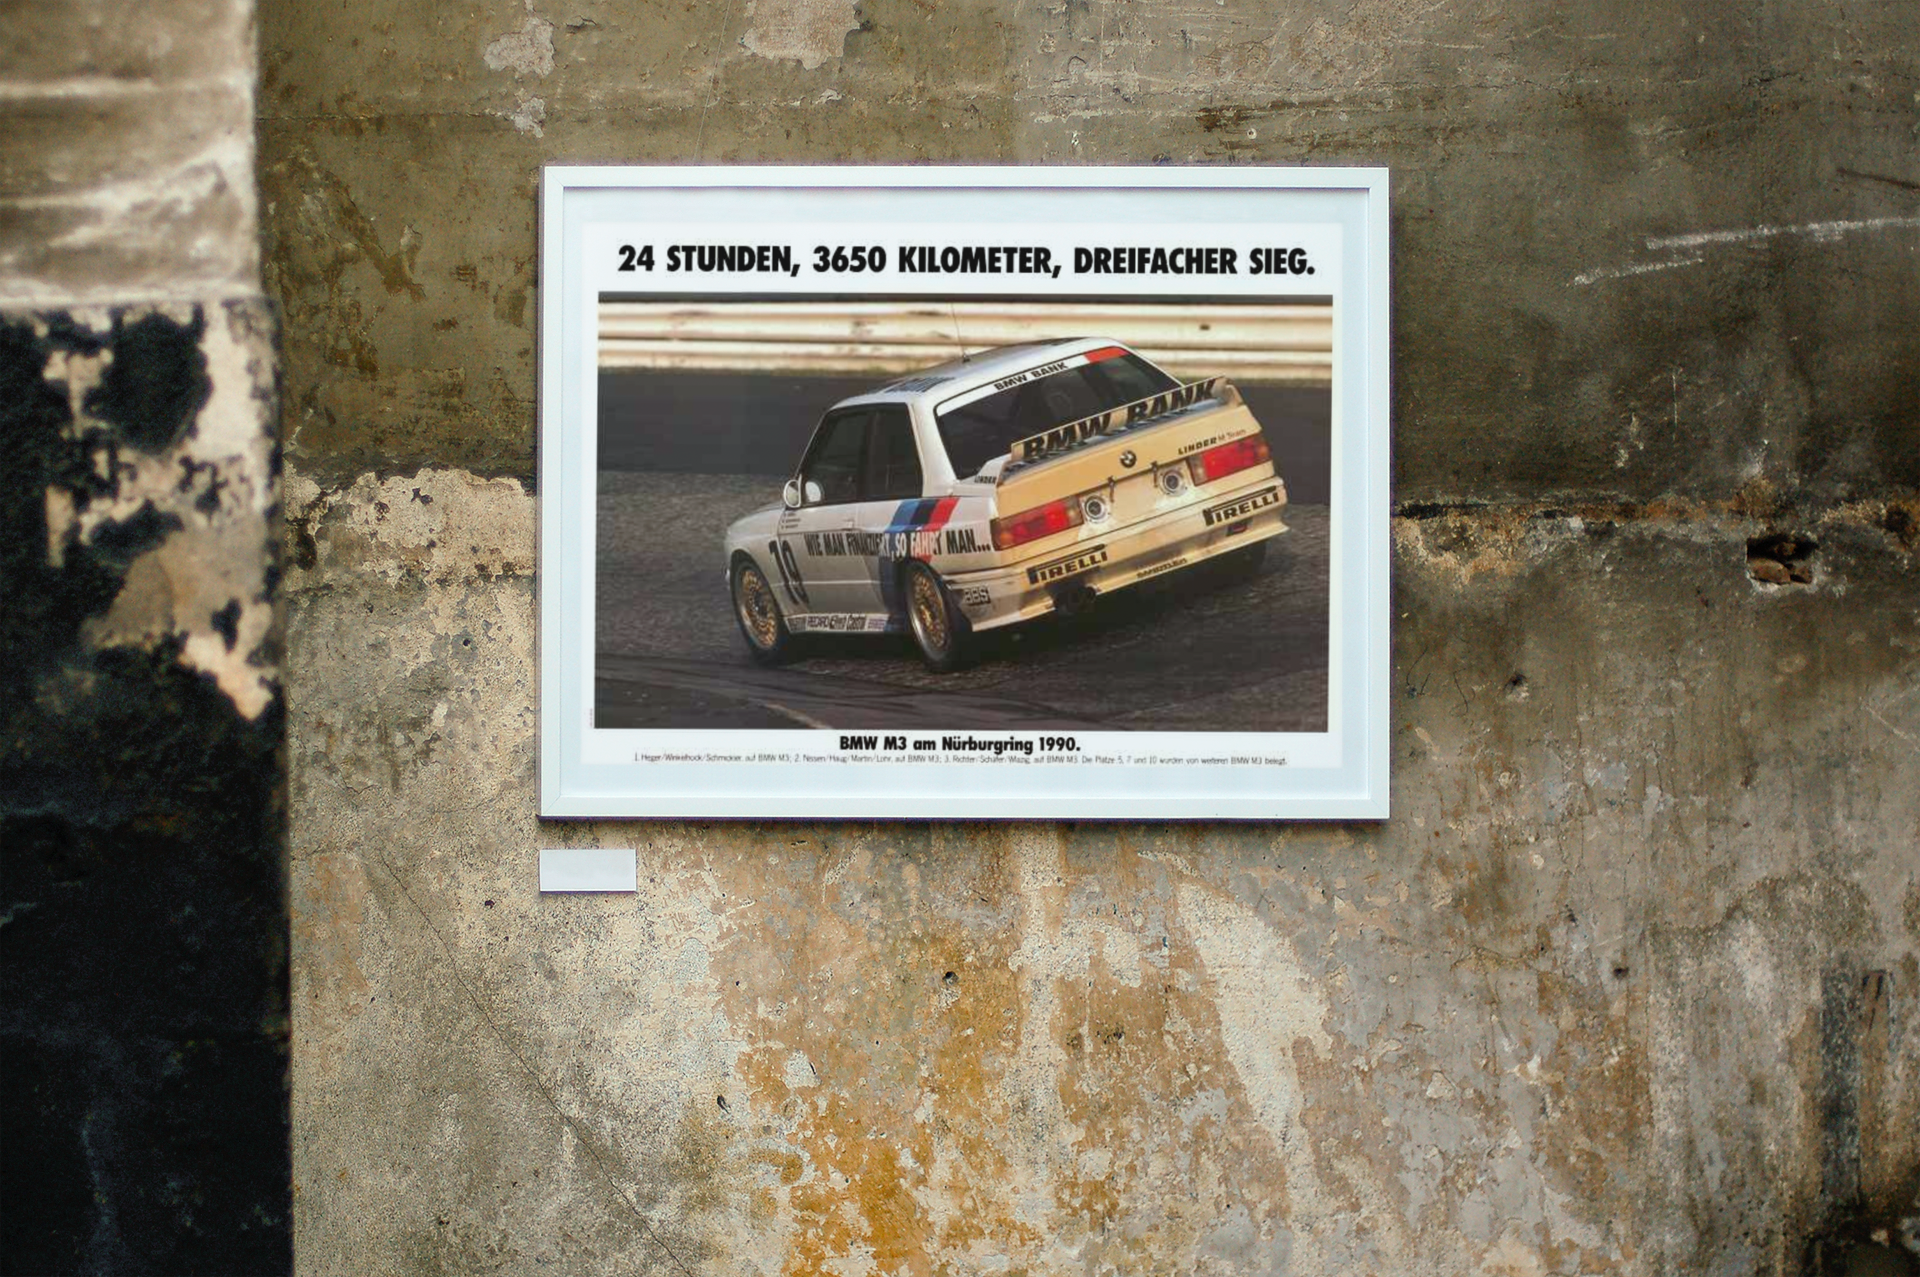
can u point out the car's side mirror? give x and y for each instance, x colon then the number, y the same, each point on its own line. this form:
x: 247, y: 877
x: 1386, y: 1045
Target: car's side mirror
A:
x: 814, y: 493
x: 790, y: 495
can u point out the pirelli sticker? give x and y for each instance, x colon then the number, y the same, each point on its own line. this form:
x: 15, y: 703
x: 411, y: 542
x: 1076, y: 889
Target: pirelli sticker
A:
x: 1059, y: 568
x: 1241, y: 507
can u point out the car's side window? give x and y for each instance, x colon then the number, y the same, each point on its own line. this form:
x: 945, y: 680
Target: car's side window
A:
x: 833, y: 462
x: 893, y: 461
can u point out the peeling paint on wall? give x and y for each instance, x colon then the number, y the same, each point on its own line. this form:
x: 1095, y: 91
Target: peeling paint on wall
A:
x: 529, y: 115
x: 813, y: 32
x: 528, y: 51
x: 438, y: 525
x: 177, y: 434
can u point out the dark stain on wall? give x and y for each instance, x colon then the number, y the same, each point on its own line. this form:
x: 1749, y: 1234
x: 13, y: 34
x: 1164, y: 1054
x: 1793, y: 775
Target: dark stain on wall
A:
x: 156, y: 382
x: 34, y: 418
x: 143, y: 996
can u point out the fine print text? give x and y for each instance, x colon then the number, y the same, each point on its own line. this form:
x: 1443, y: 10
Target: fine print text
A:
x: 1010, y: 749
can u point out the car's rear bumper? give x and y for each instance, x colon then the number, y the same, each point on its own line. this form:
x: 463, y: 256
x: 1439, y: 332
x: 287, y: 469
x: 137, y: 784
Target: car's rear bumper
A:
x: 1101, y: 561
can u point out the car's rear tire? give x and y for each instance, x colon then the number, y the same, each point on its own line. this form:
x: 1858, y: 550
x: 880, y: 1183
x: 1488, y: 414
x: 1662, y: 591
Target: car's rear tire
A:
x: 757, y: 611
x: 932, y: 620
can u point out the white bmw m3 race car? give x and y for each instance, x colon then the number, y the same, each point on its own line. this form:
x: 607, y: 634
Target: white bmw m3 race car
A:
x: 999, y: 488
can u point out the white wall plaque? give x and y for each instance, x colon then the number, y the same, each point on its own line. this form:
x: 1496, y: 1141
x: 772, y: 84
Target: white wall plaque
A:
x: 589, y: 869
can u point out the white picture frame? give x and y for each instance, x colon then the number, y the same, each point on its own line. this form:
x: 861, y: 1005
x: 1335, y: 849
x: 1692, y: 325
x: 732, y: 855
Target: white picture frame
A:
x: 698, y: 733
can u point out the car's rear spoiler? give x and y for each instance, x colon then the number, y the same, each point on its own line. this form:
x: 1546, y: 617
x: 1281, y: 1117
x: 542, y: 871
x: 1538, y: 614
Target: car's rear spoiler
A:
x: 1074, y: 433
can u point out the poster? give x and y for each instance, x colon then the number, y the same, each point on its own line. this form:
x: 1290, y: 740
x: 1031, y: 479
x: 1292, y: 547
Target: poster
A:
x: 964, y: 493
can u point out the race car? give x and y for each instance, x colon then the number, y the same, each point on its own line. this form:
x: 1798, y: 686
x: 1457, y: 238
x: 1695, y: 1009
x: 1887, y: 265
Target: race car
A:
x: 998, y: 488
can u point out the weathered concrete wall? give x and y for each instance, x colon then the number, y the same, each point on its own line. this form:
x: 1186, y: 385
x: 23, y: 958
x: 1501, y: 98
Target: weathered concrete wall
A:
x: 143, y: 1019
x: 1627, y: 985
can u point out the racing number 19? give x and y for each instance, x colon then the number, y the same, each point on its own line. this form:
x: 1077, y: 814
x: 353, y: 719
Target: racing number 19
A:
x: 782, y: 555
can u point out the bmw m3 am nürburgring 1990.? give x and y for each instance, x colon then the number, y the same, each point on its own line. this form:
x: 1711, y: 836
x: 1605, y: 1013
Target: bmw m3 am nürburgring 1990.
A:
x: 999, y: 488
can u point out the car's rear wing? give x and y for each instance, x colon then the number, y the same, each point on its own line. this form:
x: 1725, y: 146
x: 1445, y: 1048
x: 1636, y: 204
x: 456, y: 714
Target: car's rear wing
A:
x: 1071, y: 435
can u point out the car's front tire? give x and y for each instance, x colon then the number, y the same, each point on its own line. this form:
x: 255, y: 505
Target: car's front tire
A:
x: 932, y: 619
x: 756, y: 609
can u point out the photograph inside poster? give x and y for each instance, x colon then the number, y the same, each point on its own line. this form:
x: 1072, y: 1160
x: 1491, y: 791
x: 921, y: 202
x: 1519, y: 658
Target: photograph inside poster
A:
x: 925, y: 514
x: 865, y: 498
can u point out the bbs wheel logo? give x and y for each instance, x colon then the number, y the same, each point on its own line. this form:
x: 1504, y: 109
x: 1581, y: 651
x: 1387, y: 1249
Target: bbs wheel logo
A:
x: 1127, y: 458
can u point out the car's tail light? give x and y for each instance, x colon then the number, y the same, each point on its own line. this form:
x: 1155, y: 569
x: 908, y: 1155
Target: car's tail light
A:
x: 1041, y: 521
x: 1230, y: 458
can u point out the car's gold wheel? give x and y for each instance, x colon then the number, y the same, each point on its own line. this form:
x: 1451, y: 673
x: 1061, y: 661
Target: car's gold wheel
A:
x: 758, y: 613
x: 930, y: 612
x: 930, y: 618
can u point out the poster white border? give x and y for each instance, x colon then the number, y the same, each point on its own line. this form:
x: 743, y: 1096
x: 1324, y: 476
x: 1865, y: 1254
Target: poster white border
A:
x: 1339, y: 774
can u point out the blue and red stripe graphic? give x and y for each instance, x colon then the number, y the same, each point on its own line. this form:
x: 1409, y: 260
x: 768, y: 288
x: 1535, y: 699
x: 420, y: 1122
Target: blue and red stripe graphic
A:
x: 928, y: 514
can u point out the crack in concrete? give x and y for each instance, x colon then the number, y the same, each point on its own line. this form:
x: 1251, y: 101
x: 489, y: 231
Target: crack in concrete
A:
x: 601, y: 1162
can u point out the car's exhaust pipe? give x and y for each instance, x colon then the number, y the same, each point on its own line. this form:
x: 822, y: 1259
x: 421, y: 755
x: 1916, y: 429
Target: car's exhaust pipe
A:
x: 1072, y: 598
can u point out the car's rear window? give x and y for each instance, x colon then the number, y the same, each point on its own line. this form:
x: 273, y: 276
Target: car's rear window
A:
x: 977, y: 427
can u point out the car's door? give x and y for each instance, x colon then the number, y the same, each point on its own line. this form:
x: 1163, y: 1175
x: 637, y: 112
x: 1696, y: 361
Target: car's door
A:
x: 819, y: 564
x: 892, y: 517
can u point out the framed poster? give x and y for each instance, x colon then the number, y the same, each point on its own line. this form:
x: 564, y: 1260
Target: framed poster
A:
x: 964, y: 492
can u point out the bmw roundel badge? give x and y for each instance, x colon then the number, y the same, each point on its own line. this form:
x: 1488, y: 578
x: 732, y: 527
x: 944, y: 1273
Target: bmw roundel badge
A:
x: 1127, y: 458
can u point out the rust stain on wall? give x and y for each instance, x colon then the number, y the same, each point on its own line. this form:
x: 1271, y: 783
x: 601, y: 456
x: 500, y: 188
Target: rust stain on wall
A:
x: 328, y: 919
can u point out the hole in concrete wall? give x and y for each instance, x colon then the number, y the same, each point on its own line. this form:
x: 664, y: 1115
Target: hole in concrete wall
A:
x: 306, y: 551
x: 1781, y: 558
x: 1900, y: 522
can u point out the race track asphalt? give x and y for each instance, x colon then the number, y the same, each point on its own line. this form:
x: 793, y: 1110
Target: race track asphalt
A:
x: 1178, y: 655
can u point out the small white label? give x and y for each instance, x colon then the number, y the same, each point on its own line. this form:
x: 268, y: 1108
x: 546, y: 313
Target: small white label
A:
x: 589, y: 869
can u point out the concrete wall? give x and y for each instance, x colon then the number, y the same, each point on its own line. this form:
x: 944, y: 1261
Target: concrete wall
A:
x: 143, y: 1019
x: 1628, y: 984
